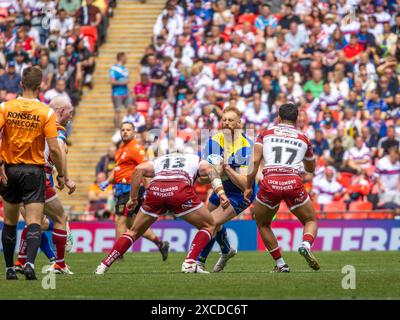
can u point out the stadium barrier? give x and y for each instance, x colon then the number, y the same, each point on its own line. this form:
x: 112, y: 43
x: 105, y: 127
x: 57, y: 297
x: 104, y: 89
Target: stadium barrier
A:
x: 337, y: 235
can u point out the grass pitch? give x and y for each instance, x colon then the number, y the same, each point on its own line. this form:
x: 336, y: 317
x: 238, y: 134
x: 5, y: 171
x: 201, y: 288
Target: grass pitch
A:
x: 247, y: 276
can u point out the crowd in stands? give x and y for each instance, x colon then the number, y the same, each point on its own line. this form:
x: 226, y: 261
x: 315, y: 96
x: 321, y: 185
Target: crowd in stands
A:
x: 61, y: 37
x: 338, y: 60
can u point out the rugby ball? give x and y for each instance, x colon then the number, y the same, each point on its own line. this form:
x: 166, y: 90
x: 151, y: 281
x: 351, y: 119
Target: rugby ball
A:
x: 214, y: 159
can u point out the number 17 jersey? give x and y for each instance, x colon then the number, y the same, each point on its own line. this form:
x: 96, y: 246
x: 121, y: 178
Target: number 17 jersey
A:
x: 284, y: 148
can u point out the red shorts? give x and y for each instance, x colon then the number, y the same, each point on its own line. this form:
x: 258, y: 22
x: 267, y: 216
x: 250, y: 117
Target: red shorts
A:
x: 176, y: 196
x: 50, y: 193
x: 275, y: 188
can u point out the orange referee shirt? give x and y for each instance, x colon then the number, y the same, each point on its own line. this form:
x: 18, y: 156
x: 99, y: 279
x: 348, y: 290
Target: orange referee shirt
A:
x: 127, y: 157
x: 25, y: 124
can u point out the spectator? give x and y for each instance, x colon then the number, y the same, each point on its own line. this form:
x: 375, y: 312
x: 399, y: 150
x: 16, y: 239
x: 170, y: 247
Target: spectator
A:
x: 388, y: 171
x: 142, y: 88
x: 70, y: 6
x: 316, y: 84
x: 358, y: 158
x: 337, y: 154
x: 288, y: 17
x: 87, y: 62
x: 59, y: 90
x: 48, y: 72
x: 98, y: 199
x: 320, y: 144
x: 63, y: 23
x: 327, y: 189
x: 106, y: 163
x: 88, y: 15
x: 388, y: 142
x: 257, y: 113
x: 135, y: 117
x: 264, y: 20
x: 119, y: 79
x: 9, y: 83
x: 295, y: 37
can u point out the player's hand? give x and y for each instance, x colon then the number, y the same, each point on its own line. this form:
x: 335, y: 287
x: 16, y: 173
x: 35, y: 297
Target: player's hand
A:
x: 247, y: 194
x: 131, y: 204
x: 3, y: 176
x: 71, y: 185
x: 103, y: 185
x: 223, y: 199
x: 60, y: 182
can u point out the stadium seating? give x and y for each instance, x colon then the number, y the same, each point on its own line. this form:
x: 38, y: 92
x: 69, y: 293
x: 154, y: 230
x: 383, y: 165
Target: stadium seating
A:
x: 334, y: 210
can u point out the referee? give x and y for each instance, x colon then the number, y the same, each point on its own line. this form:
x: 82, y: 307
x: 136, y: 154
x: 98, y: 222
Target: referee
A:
x: 26, y: 125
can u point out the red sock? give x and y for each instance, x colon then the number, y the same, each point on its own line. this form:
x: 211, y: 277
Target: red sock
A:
x: 60, y: 241
x: 201, y: 239
x: 275, y: 253
x: 120, y: 247
x: 157, y: 242
x: 309, y: 238
x: 22, y: 247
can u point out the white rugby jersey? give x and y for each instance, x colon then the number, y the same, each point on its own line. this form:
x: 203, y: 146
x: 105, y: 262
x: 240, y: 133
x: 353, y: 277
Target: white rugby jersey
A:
x: 285, y: 147
x: 389, y: 173
x: 326, y: 190
x: 176, y: 166
x: 359, y: 154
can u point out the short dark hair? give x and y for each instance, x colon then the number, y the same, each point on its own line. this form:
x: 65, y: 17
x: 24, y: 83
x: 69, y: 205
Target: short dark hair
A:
x: 288, y: 112
x: 31, y: 78
x: 120, y: 55
x: 128, y: 122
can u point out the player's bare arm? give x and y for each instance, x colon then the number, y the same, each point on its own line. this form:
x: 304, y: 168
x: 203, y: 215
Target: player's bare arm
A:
x: 145, y: 169
x: 309, y: 165
x: 257, y: 157
x: 238, y: 178
x: 56, y: 156
x: 70, y: 184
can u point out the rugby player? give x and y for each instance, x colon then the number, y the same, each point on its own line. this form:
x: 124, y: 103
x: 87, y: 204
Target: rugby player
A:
x: 128, y: 156
x: 26, y: 125
x: 56, y: 220
x: 233, y: 149
x: 284, y: 150
x: 171, y: 189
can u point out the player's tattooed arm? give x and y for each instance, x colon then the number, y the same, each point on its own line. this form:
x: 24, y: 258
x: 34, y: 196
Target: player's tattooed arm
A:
x: 253, y: 168
x: 206, y: 169
x: 145, y: 169
x: 238, y: 178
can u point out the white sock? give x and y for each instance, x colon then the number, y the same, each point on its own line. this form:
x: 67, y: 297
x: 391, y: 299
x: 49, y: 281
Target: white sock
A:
x: 31, y: 264
x: 11, y: 268
x: 306, y: 244
x: 280, y: 262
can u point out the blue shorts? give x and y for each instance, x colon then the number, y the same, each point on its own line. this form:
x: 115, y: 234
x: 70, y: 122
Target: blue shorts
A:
x: 237, y: 201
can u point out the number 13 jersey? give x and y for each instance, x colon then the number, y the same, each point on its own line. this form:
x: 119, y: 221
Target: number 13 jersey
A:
x: 284, y: 148
x: 176, y: 166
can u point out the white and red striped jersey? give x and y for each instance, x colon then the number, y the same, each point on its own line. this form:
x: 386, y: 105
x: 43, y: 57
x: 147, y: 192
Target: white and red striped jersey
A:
x: 176, y: 166
x: 284, y: 146
x: 326, y: 190
x: 389, y: 173
x: 355, y: 154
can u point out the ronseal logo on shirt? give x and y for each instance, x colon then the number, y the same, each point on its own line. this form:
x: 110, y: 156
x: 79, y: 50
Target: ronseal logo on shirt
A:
x: 23, y: 120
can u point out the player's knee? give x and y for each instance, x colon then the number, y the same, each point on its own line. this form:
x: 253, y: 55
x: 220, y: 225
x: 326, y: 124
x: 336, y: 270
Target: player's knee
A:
x: 210, y: 225
x: 263, y: 223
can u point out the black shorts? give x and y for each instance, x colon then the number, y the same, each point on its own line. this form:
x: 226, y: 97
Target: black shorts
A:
x: 122, y: 200
x: 25, y: 184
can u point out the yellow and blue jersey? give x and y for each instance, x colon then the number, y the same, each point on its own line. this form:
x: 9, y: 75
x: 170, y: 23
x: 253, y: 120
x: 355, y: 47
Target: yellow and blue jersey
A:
x: 237, y: 153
